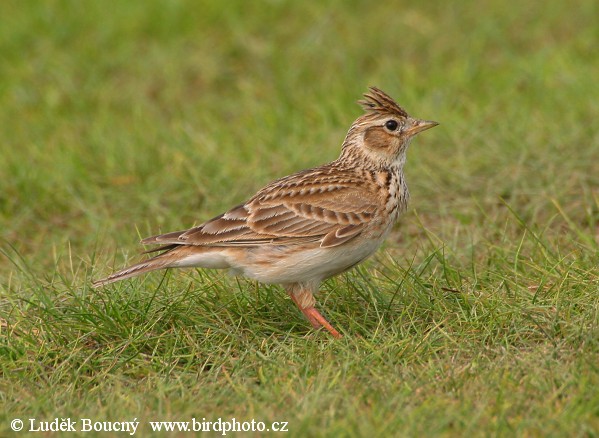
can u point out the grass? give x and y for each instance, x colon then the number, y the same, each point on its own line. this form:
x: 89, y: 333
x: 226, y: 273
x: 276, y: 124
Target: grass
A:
x: 480, y: 315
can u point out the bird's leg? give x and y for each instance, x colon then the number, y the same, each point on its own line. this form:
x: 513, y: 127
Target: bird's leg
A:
x: 304, y: 299
x: 298, y: 302
x: 314, y: 315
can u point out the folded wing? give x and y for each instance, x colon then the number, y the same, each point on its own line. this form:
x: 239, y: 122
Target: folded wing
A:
x: 312, y: 206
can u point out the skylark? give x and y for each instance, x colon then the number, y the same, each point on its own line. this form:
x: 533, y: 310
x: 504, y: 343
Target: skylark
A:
x: 304, y: 228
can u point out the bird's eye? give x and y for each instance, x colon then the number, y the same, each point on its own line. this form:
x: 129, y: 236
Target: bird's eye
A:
x: 391, y: 125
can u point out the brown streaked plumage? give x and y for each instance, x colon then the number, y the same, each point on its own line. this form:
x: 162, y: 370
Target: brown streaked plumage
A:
x: 304, y: 228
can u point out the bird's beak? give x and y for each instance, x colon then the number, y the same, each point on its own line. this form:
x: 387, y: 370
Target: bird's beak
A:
x: 419, y: 126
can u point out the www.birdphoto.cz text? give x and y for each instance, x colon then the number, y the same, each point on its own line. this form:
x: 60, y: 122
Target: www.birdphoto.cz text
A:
x: 132, y: 427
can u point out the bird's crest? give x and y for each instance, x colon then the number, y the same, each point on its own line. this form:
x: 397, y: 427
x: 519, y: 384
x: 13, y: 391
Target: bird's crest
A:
x: 377, y: 101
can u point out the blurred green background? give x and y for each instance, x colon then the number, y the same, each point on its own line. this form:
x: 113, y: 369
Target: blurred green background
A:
x: 120, y: 120
x: 163, y: 113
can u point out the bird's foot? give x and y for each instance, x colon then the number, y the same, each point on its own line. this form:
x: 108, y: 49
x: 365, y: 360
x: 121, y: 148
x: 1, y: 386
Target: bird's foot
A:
x: 304, y: 299
x: 317, y: 321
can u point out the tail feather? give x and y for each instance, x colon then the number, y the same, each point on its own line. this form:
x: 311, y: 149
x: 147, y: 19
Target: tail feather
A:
x: 158, y: 262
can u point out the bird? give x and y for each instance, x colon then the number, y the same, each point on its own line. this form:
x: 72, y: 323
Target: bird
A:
x: 304, y: 228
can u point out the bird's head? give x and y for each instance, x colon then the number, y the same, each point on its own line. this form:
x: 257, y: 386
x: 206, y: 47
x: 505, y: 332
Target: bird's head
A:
x: 381, y: 137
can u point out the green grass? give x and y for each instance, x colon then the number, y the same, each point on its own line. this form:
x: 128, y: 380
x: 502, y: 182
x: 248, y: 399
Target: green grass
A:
x: 480, y: 315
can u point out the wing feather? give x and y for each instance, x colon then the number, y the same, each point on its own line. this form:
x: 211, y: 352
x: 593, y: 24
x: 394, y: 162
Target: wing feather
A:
x: 319, y: 205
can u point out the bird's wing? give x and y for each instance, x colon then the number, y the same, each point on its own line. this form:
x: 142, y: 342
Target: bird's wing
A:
x: 317, y: 205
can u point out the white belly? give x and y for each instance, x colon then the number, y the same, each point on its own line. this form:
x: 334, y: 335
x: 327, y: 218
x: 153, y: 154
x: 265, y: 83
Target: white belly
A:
x: 283, y: 263
x: 288, y: 265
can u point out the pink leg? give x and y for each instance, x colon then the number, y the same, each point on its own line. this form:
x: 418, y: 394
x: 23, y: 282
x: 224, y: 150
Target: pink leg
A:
x: 305, y: 302
x: 314, y: 315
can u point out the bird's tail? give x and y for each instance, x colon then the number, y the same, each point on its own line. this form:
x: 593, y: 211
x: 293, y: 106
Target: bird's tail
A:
x: 161, y: 261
